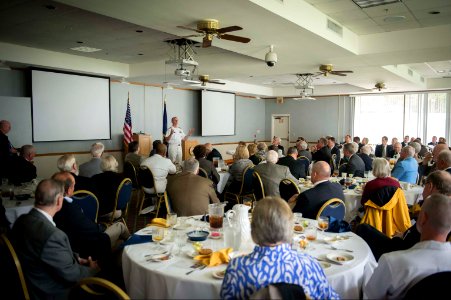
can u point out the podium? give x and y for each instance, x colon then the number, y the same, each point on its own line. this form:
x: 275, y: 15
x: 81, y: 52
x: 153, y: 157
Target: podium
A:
x: 145, y: 143
x: 187, y: 148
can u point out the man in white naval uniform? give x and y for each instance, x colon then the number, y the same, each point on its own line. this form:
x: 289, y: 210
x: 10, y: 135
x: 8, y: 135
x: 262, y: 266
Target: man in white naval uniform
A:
x: 174, y: 137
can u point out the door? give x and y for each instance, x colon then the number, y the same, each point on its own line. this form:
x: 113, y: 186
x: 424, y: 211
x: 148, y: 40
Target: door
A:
x: 281, y: 128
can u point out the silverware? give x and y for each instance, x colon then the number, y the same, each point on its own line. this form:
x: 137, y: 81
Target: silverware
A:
x: 335, y: 248
x: 198, y: 268
x: 328, y: 261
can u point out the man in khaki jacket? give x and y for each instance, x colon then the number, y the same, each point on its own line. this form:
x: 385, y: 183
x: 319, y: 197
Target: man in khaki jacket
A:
x: 189, y: 193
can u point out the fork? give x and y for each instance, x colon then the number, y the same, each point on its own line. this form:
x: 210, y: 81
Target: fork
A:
x: 347, y: 250
x: 197, y: 268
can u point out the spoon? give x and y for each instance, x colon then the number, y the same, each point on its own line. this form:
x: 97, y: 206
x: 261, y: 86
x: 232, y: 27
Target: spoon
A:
x: 335, y: 248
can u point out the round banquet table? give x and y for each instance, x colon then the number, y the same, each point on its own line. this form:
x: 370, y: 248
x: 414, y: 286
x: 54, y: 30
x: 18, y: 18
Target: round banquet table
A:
x: 352, y: 198
x: 14, y: 208
x: 168, y: 279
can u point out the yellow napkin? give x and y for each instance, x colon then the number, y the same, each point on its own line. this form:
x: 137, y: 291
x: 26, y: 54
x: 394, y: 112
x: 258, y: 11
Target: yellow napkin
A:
x: 160, y: 222
x: 216, y: 258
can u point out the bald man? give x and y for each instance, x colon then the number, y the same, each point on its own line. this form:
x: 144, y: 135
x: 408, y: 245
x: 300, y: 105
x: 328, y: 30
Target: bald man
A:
x: 444, y: 161
x: 174, y: 137
x: 6, y: 148
x: 310, y: 201
x: 424, y: 168
x: 212, y: 152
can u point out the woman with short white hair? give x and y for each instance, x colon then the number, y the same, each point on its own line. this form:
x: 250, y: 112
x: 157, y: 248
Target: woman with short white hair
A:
x: 382, y: 188
x: 273, y: 260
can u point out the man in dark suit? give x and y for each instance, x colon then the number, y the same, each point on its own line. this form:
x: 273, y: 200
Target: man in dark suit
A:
x: 22, y: 168
x: 383, y: 150
x: 200, y: 151
x: 424, y: 168
x: 321, y: 152
x: 355, y: 164
x: 310, y: 201
x: 49, y: 265
x: 334, y: 150
x: 67, y: 163
x: 7, y: 151
x: 406, y: 141
x: 212, y: 152
x: 297, y: 167
x: 364, y: 154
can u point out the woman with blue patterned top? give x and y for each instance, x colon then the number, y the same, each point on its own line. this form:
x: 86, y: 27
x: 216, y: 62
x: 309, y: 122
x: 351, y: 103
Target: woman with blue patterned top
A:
x: 272, y: 260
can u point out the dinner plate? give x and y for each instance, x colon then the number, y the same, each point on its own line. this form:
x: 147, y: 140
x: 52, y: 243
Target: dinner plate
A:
x: 144, y: 231
x: 181, y: 226
x: 161, y: 257
x: 341, y: 258
x: 219, y: 274
x: 191, y: 253
x: 325, y: 265
x: 330, y: 239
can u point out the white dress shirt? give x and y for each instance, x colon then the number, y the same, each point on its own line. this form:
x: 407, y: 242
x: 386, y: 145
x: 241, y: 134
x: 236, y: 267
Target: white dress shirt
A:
x: 177, y: 136
x: 49, y: 217
x: 160, y: 167
x: 400, y: 270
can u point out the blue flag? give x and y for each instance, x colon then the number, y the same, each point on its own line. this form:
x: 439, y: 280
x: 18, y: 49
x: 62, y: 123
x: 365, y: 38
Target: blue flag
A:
x: 165, y: 118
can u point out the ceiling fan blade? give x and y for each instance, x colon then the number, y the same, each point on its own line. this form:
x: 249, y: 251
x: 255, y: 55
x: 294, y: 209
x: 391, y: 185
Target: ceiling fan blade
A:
x: 215, y: 82
x: 206, y: 43
x: 337, y: 73
x: 192, y: 35
x: 189, y: 28
x: 234, y: 38
x: 191, y: 81
x: 229, y: 29
x: 343, y: 71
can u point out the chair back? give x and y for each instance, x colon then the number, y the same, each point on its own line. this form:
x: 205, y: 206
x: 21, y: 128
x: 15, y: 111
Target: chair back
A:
x: 130, y: 172
x: 280, y: 290
x: 259, y: 191
x: 88, y: 203
x: 431, y: 287
x: 145, y: 177
x: 333, y: 208
x: 123, y: 195
x: 246, y: 182
x: 306, y: 163
x: 202, y: 173
x: 97, y: 288
x: 287, y: 188
x: 304, y: 157
x: 12, y: 286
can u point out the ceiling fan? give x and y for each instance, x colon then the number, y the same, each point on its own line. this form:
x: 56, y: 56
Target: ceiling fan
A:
x: 329, y: 69
x: 209, y: 28
x: 203, y: 80
x: 379, y: 86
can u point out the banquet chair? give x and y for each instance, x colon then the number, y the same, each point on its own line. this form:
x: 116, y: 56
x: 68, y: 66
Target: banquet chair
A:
x: 202, y: 173
x: 259, y: 190
x: 12, y: 282
x: 333, y: 208
x: 96, y: 288
x: 246, y: 189
x: 130, y: 172
x: 123, y: 195
x: 147, y: 183
x: 288, y: 188
x: 431, y: 287
x: 88, y: 203
x: 390, y: 218
x: 304, y: 157
x: 306, y: 163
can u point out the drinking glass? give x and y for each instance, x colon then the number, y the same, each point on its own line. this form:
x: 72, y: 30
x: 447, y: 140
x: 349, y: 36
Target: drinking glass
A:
x: 180, y: 240
x: 336, y: 172
x: 216, y: 215
x: 216, y: 161
x: 297, y: 218
x: 171, y: 219
x: 350, y: 175
x: 366, y: 174
x: 344, y: 175
x: 158, y: 236
x: 348, y: 182
x: 323, y: 223
x: 310, y: 233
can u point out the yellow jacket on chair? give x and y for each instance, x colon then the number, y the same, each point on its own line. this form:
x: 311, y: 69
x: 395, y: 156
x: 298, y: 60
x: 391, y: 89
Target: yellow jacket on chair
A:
x: 391, y: 218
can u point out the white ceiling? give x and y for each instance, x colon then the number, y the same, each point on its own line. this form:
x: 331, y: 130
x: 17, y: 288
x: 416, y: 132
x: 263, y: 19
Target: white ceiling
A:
x: 377, y: 51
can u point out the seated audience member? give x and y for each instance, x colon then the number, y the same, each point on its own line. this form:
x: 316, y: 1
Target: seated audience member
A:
x: 160, y: 167
x: 303, y: 150
x: 247, y: 274
x: 424, y: 168
x: 92, y: 167
x: 132, y: 156
x: 398, y: 271
x: 85, y: 235
x: 444, y: 161
x: 364, y: 154
x: 262, y: 148
x: 348, y: 139
x: 396, y: 153
x: 276, y: 143
x: 297, y: 167
x: 252, y: 148
x: 436, y: 182
x: 334, y: 150
x: 356, y: 140
x: 381, y: 189
x: 67, y: 163
x: 107, y: 183
x: 442, y: 140
x: 200, y: 152
x: 412, y: 139
x: 49, y: 265
x: 383, y: 150
x: 406, y: 141
x: 310, y: 201
x: 190, y: 194
x: 433, y: 142
x: 365, y: 141
x: 154, y: 147
x: 355, y: 164
x: 321, y: 152
x: 392, y: 147
x: 424, y: 150
x: 22, y: 168
x: 212, y: 152
x: 406, y: 169
x: 272, y: 174
x: 240, y: 162
x: 417, y: 148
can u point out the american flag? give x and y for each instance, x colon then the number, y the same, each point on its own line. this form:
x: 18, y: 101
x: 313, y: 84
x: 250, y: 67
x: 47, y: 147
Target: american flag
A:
x: 128, y: 124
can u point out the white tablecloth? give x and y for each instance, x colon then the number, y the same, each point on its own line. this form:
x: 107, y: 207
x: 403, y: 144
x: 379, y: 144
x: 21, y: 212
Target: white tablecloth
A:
x: 168, y: 280
x: 223, y: 178
x: 352, y: 199
x: 14, y: 209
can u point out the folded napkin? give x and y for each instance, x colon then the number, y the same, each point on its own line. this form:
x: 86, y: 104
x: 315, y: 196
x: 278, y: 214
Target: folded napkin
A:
x: 160, y: 222
x: 338, y: 226
x: 216, y: 258
x: 136, y: 239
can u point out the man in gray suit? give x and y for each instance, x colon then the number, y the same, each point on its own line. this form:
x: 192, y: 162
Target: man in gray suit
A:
x: 48, y: 262
x: 92, y: 167
x: 355, y: 164
x: 272, y: 174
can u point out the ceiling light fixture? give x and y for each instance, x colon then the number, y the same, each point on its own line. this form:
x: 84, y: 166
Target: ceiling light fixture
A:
x: 139, y: 31
x: 85, y: 49
x: 394, y: 19
x: 434, y: 12
x: 441, y: 71
x: 371, y: 3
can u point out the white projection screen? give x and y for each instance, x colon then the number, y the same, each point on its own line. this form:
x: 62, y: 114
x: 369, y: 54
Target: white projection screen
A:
x: 69, y: 107
x: 218, y: 113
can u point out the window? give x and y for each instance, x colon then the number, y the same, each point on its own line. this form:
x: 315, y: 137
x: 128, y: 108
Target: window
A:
x: 413, y: 117
x: 436, y: 116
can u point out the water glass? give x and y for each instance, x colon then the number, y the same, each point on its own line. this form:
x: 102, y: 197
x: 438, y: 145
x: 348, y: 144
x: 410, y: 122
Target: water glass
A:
x: 344, y: 175
x: 180, y: 240
x: 297, y: 218
x: 171, y: 219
